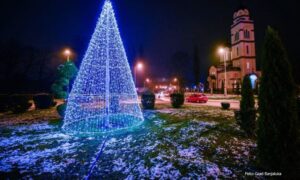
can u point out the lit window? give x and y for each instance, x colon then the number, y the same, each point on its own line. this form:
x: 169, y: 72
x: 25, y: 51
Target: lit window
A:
x: 248, y: 65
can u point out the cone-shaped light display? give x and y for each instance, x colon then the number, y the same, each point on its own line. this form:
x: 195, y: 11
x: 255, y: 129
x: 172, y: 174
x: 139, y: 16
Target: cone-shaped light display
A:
x: 103, y: 97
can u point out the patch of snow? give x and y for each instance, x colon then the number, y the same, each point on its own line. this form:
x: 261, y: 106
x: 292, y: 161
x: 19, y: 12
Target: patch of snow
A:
x: 167, y: 171
x: 212, y: 170
x: 119, y: 164
x: 190, y: 152
x: 171, y: 128
x: 226, y: 171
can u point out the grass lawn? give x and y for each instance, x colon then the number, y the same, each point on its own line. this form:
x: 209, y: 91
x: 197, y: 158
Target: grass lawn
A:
x: 171, y: 143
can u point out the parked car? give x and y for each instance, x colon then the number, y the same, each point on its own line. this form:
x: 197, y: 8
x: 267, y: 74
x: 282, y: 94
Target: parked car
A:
x: 197, y: 98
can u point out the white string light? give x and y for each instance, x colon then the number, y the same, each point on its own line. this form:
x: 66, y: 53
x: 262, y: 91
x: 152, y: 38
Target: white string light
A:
x: 103, y: 97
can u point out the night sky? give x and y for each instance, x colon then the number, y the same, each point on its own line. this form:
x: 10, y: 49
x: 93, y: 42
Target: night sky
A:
x: 159, y: 27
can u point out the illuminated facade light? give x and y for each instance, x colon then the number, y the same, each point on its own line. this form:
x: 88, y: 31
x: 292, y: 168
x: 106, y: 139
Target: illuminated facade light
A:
x: 253, y: 79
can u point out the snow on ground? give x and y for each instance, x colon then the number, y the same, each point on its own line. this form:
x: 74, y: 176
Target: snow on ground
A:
x: 154, y: 150
x: 38, y: 149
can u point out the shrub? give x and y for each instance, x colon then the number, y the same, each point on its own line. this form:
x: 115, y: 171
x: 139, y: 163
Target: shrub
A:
x: 4, y: 103
x: 61, y: 109
x: 65, y: 74
x: 19, y: 103
x: 177, y: 100
x: 247, y: 109
x: 148, y: 100
x: 225, y: 105
x: 43, y: 101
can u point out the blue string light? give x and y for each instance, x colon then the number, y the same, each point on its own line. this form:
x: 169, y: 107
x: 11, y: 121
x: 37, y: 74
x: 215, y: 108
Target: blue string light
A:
x: 103, y: 97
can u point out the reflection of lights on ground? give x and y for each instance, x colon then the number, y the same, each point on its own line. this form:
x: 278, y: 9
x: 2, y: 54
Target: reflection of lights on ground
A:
x: 161, y: 95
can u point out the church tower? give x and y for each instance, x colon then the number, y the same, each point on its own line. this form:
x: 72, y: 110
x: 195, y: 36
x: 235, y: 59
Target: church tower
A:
x: 243, y: 42
x: 240, y: 58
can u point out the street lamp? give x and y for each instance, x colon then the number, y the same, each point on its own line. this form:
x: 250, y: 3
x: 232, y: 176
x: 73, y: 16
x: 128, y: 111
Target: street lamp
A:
x: 138, y: 67
x: 222, y: 52
x: 176, y: 83
x: 146, y: 81
x: 67, y: 53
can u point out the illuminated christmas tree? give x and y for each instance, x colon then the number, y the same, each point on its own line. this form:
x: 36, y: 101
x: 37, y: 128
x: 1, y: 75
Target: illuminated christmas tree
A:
x: 103, y: 97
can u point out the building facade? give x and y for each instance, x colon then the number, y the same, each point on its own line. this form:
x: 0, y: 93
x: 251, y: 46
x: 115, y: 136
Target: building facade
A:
x: 238, y: 60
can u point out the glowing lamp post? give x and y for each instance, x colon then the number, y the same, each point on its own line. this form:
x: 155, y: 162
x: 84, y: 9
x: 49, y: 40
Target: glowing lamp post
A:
x: 222, y: 53
x: 147, y: 81
x: 176, y: 83
x: 139, y: 67
x: 67, y: 53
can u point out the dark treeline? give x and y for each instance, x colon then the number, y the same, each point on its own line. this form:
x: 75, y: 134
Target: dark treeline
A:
x: 26, y: 69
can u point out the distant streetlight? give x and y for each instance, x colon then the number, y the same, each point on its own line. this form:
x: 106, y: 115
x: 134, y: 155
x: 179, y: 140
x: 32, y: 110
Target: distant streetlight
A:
x: 222, y: 53
x: 138, y: 67
x: 147, y: 81
x: 67, y: 53
x: 176, y: 82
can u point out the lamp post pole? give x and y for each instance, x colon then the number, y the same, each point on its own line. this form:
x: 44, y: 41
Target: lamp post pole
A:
x: 67, y: 53
x: 147, y: 81
x: 223, y: 52
x: 139, y: 66
x: 176, y: 83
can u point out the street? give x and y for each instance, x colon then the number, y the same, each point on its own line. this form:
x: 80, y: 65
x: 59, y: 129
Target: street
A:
x: 234, y: 104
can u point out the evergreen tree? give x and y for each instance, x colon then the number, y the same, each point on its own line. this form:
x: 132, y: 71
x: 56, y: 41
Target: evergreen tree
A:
x: 65, y: 73
x: 247, y: 109
x: 278, y: 133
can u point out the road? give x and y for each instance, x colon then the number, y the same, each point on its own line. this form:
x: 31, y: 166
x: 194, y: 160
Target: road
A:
x: 234, y: 104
